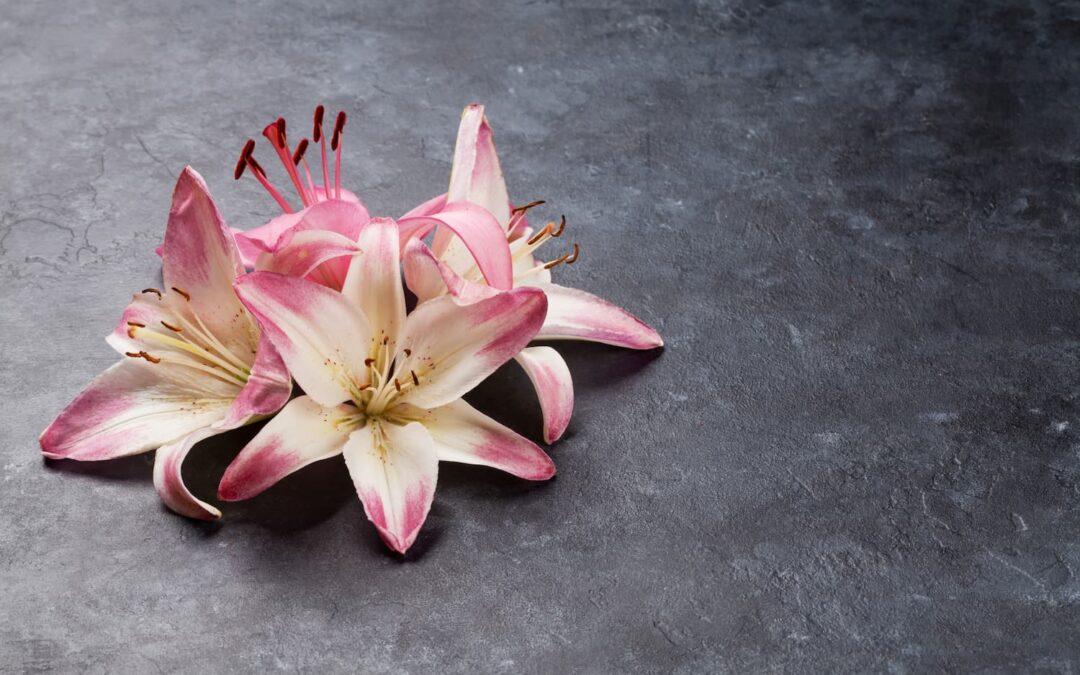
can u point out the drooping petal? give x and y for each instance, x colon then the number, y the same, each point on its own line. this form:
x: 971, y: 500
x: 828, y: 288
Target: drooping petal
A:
x: 201, y: 261
x: 133, y: 407
x: 478, y: 230
x: 428, y: 277
x: 433, y: 205
x: 305, y: 252
x: 554, y: 387
x: 170, y: 483
x: 373, y: 282
x: 394, y: 469
x: 267, y: 389
x: 302, y: 433
x: 476, y: 175
x: 265, y: 237
x: 452, y: 347
x: 463, y: 434
x: 321, y: 337
x: 576, y: 315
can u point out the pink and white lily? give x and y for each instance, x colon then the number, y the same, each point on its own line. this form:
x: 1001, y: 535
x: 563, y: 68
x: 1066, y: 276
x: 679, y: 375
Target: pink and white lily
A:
x: 478, y: 231
x: 384, y: 388
x: 195, y: 363
x: 445, y: 268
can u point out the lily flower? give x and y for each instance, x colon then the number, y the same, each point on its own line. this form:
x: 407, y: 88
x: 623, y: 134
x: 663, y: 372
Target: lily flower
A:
x: 477, y: 230
x: 384, y: 388
x: 195, y: 363
x: 573, y: 314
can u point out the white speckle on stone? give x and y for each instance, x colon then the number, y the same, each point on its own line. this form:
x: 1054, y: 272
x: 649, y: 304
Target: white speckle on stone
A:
x: 1018, y: 522
x: 1059, y: 427
x: 677, y: 396
x: 796, y: 336
x: 828, y: 437
x: 519, y: 69
x: 941, y: 417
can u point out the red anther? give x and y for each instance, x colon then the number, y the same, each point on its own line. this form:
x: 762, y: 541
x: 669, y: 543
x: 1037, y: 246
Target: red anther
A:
x: 152, y: 290
x: 339, y: 125
x: 281, y: 129
x: 574, y: 256
x: 187, y: 296
x: 316, y: 131
x: 136, y: 324
x: 415, y: 379
x: 544, y: 231
x: 175, y: 329
x: 562, y: 226
x: 301, y: 148
x: 397, y: 385
x: 368, y: 362
x: 408, y: 352
x: 245, y: 155
x: 255, y: 166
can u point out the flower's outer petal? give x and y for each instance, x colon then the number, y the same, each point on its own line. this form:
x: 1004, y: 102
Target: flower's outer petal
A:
x: 170, y: 484
x: 476, y: 175
x: 201, y: 260
x: 433, y: 205
x: 265, y: 237
x: 132, y: 407
x: 344, y: 218
x: 373, y: 282
x: 576, y: 315
x: 321, y: 337
x: 302, y: 433
x: 428, y: 277
x: 394, y: 469
x: 464, y: 434
x: 554, y: 387
x: 452, y: 347
x: 267, y: 389
x: 478, y: 230
x: 306, y: 251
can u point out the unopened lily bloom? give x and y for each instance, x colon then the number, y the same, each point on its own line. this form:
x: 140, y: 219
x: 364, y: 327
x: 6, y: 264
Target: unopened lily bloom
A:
x: 477, y: 230
x: 384, y: 388
x: 573, y: 314
x: 194, y: 363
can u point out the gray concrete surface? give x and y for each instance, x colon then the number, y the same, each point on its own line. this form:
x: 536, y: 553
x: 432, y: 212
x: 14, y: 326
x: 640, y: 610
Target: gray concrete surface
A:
x: 855, y: 223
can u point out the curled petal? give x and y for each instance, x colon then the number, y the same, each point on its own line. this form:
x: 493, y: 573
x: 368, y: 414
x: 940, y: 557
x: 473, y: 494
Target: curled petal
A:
x: 431, y: 206
x: 132, y: 407
x: 267, y: 389
x: 348, y: 215
x: 302, y: 433
x: 321, y: 337
x: 576, y: 315
x: 394, y: 469
x: 452, y: 347
x: 305, y: 252
x: 478, y: 230
x: 170, y: 483
x: 463, y: 434
x: 551, y: 378
x: 428, y: 277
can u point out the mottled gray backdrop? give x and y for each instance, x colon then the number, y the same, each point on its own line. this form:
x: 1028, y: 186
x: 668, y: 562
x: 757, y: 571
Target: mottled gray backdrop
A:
x: 855, y: 224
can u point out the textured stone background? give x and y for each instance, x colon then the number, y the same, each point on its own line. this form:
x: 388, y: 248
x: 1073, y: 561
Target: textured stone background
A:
x: 855, y: 223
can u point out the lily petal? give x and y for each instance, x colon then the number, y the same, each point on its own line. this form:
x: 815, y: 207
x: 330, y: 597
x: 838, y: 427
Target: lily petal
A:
x: 433, y: 205
x: 265, y: 238
x: 132, y: 407
x: 201, y: 260
x: 305, y: 252
x: 373, y: 282
x: 576, y: 315
x: 394, y: 469
x: 464, y: 434
x: 451, y: 347
x: 428, y: 277
x: 267, y: 389
x: 321, y: 337
x: 170, y: 483
x: 554, y: 387
x: 480, y: 232
x: 476, y: 175
x: 302, y: 433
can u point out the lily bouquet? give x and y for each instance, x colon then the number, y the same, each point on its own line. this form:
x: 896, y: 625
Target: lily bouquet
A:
x: 324, y: 306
